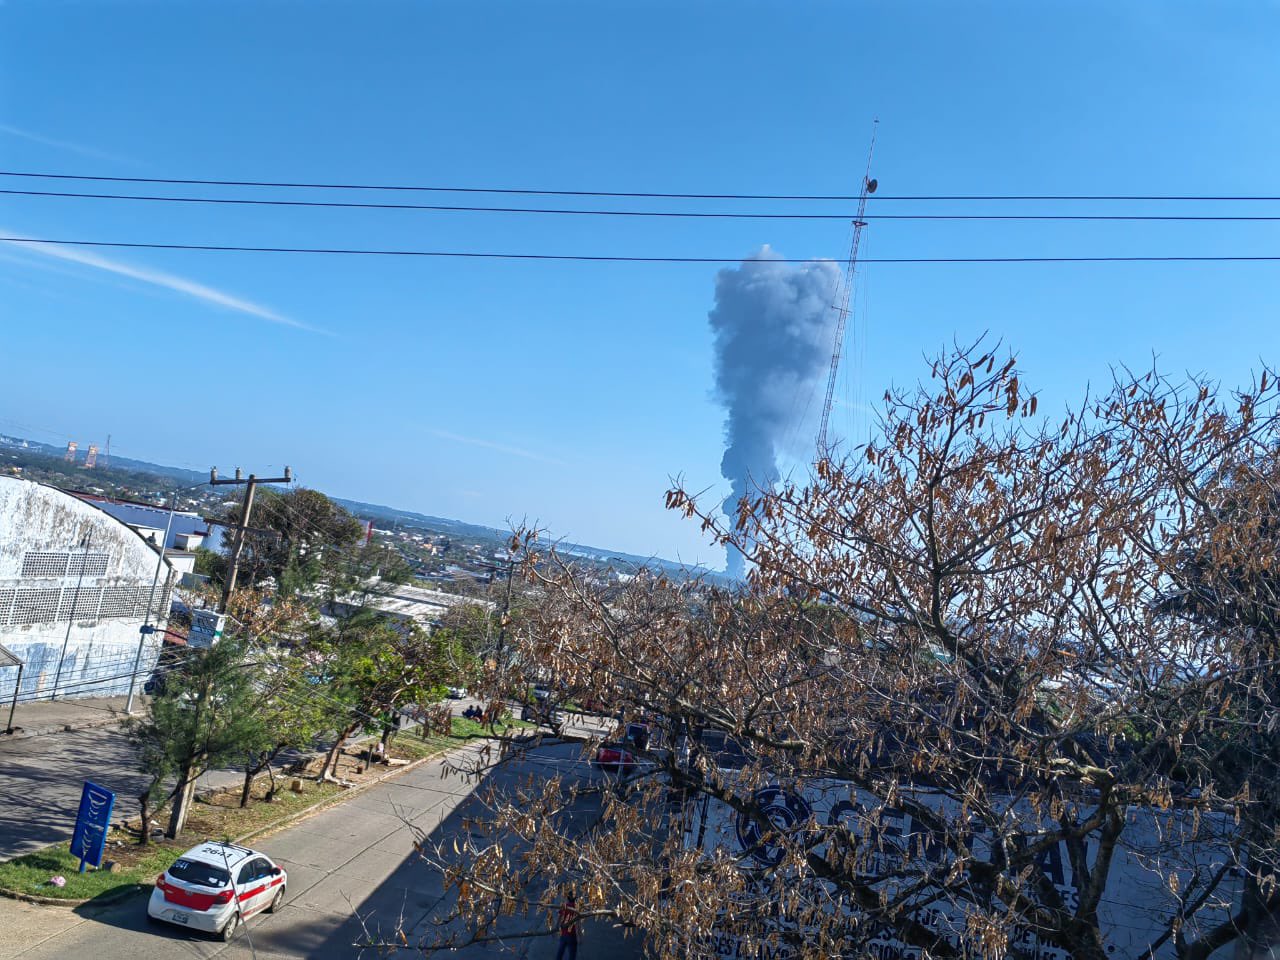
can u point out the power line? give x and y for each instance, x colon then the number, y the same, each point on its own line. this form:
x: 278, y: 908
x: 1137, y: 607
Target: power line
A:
x: 609, y: 258
x: 658, y: 214
x: 647, y: 194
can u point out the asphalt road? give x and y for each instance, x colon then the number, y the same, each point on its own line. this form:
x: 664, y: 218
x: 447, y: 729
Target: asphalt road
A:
x: 352, y: 860
x: 41, y: 779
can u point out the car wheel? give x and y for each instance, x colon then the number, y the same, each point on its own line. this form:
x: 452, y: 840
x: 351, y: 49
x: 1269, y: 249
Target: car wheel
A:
x: 229, y: 928
x: 275, y: 903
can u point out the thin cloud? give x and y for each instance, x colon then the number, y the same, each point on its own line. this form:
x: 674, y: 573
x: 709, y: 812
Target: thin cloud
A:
x: 500, y: 447
x: 158, y: 278
x: 63, y: 145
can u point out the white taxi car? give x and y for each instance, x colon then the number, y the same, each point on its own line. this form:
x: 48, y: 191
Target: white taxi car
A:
x: 216, y: 885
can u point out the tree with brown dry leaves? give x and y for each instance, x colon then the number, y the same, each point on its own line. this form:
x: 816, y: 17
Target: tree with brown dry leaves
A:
x: 999, y: 684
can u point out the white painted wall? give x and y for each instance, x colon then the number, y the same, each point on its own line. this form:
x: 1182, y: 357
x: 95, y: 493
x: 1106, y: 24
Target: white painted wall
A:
x: 52, y: 614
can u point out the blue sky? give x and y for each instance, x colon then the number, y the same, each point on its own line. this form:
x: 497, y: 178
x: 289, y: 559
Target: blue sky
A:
x: 570, y: 393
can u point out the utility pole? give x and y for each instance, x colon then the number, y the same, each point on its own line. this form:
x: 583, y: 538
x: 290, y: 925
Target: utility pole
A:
x: 251, y: 485
x: 506, y: 606
x: 190, y: 770
x: 146, y: 629
x: 506, y: 612
x: 75, y: 602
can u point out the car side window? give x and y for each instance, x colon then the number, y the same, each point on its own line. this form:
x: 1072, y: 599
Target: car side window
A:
x: 247, y: 874
x: 263, y: 868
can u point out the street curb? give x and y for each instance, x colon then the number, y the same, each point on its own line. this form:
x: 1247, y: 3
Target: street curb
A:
x: 126, y: 892
x: 105, y: 900
x: 343, y: 796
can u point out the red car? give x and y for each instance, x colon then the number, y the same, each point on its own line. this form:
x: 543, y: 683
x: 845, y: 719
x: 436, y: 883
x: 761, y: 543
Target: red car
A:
x: 614, y: 758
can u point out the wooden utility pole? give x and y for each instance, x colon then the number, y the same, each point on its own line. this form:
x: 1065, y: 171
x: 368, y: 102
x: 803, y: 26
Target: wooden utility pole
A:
x: 186, y: 788
x: 510, y: 565
x: 251, y: 485
x: 506, y: 612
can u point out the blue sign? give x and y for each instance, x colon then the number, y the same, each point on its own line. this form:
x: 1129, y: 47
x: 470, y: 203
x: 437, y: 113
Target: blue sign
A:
x: 90, y: 836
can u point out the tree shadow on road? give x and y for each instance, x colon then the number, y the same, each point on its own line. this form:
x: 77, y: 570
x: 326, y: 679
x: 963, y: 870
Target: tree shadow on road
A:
x: 129, y: 912
x: 401, y: 912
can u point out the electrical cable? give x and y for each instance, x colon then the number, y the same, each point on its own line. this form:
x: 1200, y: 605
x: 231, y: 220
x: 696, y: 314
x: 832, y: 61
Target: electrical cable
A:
x: 645, y: 194
x: 160, y: 670
x: 614, y: 258
x: 37, y: 696
x: 683, y: 214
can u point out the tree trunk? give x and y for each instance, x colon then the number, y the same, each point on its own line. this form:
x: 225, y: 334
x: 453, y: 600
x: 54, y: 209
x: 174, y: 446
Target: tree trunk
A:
x: 183, y: 795
x: 144, y: 802
x: 271, y: 777
x: 190, y: 768
x: 245, y: 791
x: 331, y: 758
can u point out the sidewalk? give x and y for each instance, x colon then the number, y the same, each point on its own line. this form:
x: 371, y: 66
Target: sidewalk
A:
x: 353, y: 875
x: 41, y: 717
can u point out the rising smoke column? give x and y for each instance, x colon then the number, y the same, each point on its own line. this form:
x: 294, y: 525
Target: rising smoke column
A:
x: 773, y: 325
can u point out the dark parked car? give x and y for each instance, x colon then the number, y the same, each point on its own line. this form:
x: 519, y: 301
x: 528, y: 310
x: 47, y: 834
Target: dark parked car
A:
x: 540, y: 713
x: 171, y: 659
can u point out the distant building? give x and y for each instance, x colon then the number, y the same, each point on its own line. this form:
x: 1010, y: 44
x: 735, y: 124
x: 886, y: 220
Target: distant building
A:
x: 66, y: 563
x: 405, y: 603
x: 188, y: 541
x: 185, y: 525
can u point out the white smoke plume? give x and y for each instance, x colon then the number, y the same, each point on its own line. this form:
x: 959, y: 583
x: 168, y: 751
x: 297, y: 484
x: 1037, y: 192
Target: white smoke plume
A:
x: 773, y: 326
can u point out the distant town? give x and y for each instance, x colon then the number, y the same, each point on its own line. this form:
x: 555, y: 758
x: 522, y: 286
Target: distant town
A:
x: 450, y: 554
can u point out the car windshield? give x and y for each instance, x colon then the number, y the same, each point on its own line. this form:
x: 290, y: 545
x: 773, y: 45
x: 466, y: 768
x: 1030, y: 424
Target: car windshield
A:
x: 204, y: 874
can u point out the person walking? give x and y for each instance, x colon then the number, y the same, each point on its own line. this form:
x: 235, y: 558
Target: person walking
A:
x: 568, y: 929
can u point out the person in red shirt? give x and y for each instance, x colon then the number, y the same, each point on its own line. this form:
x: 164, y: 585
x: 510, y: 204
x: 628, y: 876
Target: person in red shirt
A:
x: 568, y: 929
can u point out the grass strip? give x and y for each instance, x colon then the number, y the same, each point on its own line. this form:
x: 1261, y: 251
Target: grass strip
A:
x: 31, y: 872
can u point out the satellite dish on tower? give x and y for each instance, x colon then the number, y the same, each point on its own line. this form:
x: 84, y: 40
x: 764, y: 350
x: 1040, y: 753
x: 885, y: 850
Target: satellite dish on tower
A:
x: 872, y: 183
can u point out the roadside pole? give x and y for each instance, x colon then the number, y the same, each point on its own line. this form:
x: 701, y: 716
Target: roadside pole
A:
x: 71, y: 617
x: 233, y: 568
x: 187, y: 778
x: 506, y: 612
x: 251, y: 485
x: 144, y: 631
x: 9, y: 660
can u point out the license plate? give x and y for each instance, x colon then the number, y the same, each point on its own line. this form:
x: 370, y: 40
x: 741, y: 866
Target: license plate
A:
x: 180, y: 918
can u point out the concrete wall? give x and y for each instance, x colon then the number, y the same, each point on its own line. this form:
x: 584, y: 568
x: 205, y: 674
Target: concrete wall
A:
x: 75, y: 585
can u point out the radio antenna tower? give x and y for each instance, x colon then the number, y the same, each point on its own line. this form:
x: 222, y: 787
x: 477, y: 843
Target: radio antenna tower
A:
x: 846, y: 289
